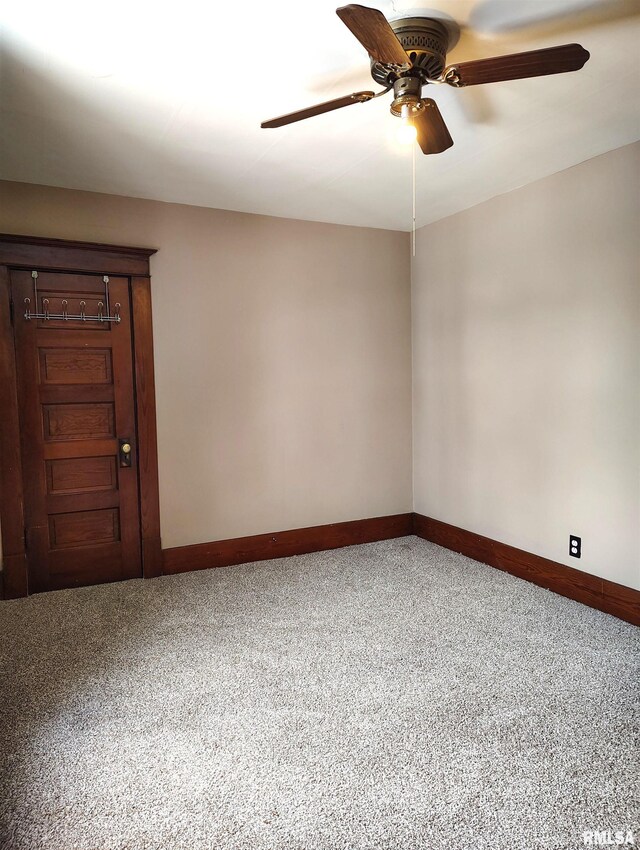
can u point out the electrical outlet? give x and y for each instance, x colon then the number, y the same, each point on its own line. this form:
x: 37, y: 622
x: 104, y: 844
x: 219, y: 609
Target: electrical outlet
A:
x: 575, y: 546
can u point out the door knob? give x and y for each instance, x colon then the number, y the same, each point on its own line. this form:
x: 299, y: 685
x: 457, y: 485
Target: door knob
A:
x: 125, y: 452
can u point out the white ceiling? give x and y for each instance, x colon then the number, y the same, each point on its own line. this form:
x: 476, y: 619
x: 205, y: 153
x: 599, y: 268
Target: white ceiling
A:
x: 164, y: 101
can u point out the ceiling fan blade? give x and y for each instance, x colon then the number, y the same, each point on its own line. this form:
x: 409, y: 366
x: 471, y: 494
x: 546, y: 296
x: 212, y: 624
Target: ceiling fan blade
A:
x: 318, y: 109
x: 517, y: 66
x: 372, y: 30
x: 432, y: 133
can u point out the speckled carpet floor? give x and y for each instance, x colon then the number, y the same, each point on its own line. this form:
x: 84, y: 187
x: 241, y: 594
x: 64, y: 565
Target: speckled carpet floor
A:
x: 393, y: 696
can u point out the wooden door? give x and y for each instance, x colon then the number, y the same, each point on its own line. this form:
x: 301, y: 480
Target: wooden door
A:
x: 77, y: 409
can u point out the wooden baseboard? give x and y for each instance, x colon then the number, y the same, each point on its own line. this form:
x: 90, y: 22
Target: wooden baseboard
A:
x: 622, y: 602
x: 281, y: 544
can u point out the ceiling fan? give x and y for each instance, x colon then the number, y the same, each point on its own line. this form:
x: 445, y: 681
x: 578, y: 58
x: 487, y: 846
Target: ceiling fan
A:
x: 408, y: 53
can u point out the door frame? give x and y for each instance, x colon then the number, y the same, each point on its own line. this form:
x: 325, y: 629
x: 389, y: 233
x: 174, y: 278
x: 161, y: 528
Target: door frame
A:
x: 33, y: 252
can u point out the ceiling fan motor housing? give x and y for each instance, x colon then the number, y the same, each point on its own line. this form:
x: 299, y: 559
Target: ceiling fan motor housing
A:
x: 426, y: 42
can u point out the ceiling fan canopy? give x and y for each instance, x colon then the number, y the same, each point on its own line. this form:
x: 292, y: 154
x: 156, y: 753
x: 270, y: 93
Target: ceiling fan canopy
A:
x: 408, y: 53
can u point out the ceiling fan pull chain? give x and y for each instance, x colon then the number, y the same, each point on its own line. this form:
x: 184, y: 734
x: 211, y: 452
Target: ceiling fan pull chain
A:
x: 413, y: 192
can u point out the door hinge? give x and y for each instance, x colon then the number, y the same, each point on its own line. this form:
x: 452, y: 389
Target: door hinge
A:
x: 11, y: 311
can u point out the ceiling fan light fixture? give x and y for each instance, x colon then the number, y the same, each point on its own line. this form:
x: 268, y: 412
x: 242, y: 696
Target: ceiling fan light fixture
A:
x: 406, y: 96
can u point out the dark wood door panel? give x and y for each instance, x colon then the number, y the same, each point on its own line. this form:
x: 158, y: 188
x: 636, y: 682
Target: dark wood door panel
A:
x: 83, y: 421
x: 76, y: 397
x: 75, y: 365
x: 68, y: 476
x: 84, y: 528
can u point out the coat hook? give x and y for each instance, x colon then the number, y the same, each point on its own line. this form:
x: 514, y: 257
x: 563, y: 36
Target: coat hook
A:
x: 103, y: 313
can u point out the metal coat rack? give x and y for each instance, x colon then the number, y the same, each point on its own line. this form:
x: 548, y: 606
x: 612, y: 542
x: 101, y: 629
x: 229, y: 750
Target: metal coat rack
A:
x: 65, y: 316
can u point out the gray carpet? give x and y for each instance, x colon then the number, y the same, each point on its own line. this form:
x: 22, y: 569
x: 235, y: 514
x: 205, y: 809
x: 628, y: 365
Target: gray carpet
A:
x: 392, y: 696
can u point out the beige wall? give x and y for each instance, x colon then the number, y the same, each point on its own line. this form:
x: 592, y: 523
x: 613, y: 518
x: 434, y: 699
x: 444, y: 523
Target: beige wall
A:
x: 526, y: 363
x: 283, y: 362
x: 284, y: 367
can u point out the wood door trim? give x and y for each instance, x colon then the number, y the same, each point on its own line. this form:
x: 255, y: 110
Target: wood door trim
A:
x: 63, y: 255
x: 47, y: 242
x: 599, y: 593
x: 147, y: 432
x: 70, y: 256
x: 11, y: 493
